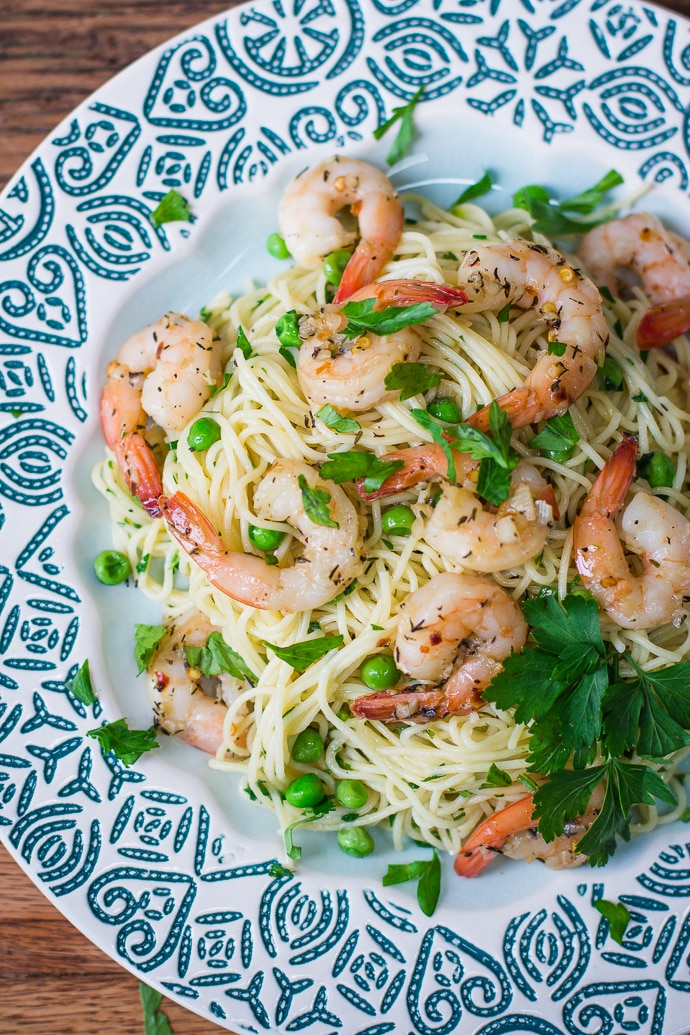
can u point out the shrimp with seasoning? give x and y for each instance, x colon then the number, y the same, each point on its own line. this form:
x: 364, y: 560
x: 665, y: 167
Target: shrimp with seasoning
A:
x: 531, y: 275
x: 307, y: 218
x: 455, y: 630
x: 512, y: 832
x: 331, y: 556
x: 658, y: 257
x: 485, y: 539
x: 349, y: 374
x: 181, y: 704
x: 652, y: 529
x: 164, y: 373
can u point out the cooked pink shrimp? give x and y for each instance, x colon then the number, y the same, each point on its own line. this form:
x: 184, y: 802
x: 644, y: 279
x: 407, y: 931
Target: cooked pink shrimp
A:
x: 487, y: 539
x: 512, y: 832
x: 330, y: 559
x: 181, y: 704
x: 527, y: 274
x: 650, y: 528
x: 163, y: 372
x: 307, y: 218
x: 423, y: 463
x: 658, y: 257
x: 349, y: 373
x: 455, y: 630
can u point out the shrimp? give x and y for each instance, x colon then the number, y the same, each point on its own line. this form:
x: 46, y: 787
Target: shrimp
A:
x: 349, y: 374
x: 163, y: 372
x: 423, y: 463
x: 660, y: 258
x: 181, y: 704
x: 486, y: 540
x: 455, y: 630
x: 330, y: 559
x: 307, y: 218
x: 526, y: 274
x: 651, y: 529
x: 512, y: 832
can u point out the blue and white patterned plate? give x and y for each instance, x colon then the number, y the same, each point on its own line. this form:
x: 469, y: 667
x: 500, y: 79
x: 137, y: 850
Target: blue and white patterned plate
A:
x: 164, y: 865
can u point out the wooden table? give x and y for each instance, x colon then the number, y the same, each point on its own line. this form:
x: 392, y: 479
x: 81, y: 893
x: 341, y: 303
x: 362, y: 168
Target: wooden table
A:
x: 53, y: 53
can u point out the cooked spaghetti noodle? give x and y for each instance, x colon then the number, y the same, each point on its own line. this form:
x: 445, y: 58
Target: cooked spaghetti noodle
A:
x: 428, y: 781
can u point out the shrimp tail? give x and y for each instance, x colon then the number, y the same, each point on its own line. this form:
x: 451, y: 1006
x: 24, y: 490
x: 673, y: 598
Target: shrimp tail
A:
x: 486, y: 841
x: 140, y: 470
x: 420, y: 464
x: 404, y: 292
x: 613, y: 481
x: 662, y: 323
x: 366, y: 263
x: 409, y: 705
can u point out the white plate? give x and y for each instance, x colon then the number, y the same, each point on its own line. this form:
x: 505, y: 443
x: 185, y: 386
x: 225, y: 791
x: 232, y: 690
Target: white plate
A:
x: 164, y: 865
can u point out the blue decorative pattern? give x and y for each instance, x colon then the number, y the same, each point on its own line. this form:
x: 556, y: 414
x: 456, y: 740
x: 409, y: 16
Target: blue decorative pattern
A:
x: 161, y: 878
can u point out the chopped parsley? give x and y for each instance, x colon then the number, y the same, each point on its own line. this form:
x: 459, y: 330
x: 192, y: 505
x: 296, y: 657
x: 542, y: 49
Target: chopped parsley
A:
x: 427, y: 873
x: 336, y: 422
x: 411, y: 379
x: 216, y: 657
x: 302, y: 655
x: 146, y: 640
x: 80, y: 685
x: 126, y: 744
x: 364, y: 318
x: 494, y: 451
x: 172, y: 208
x: 554, y: 218
x: 353, y: 464
x: 315, y: 503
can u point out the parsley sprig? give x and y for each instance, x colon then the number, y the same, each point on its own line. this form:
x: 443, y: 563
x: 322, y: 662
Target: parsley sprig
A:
x: 405, y: 134
x: 555, y: 218
x: 568, y: 687
x: 363, y: 317
x: 427, y: 873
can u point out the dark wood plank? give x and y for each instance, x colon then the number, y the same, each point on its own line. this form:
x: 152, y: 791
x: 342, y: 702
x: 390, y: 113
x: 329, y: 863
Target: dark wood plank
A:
x: 53, y: 979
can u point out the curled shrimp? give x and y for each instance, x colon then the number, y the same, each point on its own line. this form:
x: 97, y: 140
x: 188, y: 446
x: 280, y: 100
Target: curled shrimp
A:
x: 651, y: 529
x: 164, y: 373
x: 658, y: 257
x: 350, y: 373
x: 307, y: 218
x: 526, y: 274
x: 454, y: 630
x: 486, y: 539
x: 512, y: 832
x: 181, y: 702
x: 331, y: 557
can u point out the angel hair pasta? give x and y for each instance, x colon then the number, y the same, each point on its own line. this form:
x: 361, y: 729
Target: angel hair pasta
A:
x: 378, y: 514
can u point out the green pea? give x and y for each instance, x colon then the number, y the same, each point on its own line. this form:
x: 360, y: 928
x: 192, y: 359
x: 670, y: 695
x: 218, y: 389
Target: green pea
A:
x: 356, y: 841
x: 265, y: 539
x: 276, y: 246
x: 305, y: 792
x: 351, y: 794
x: 398, y: 520
x: 445, y: 409
x: 657, y: 468
x: 112, y: 567
x: 379, y: 672
x: 334, y: 265
x: 307, y: 747
x: 202, y: 434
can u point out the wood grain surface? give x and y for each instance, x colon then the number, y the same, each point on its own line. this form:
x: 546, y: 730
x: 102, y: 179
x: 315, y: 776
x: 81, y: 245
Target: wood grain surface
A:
x: 53, y: 54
